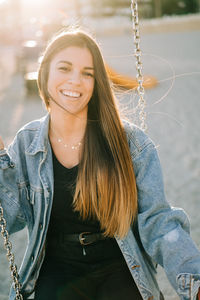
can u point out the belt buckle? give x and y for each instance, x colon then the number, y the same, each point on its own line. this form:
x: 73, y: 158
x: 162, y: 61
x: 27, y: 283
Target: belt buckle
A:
x: 82, y: 238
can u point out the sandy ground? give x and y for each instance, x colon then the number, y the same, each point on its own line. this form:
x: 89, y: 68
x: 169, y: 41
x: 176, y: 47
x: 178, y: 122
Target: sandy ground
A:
x: 172, y: 116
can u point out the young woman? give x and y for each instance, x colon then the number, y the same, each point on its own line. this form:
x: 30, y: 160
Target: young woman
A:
x: 89, y: 188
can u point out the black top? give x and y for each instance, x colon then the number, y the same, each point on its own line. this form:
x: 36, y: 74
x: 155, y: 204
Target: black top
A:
x: 64, y: 220
x: 63, y: 217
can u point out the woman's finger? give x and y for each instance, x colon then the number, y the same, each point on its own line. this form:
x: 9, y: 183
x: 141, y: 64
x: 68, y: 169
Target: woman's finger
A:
x: 1, y: 144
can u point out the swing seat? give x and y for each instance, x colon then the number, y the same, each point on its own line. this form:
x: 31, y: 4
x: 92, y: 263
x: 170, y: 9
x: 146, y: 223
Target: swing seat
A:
x: 129, y: 82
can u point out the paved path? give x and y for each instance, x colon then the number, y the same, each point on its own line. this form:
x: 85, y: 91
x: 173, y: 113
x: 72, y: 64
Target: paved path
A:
x: 173, y: 120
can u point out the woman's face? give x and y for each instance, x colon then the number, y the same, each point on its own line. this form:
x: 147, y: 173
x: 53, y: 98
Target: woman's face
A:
x: 71, y: 79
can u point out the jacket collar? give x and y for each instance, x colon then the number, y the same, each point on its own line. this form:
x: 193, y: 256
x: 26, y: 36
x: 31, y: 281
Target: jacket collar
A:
x: 40, y: 140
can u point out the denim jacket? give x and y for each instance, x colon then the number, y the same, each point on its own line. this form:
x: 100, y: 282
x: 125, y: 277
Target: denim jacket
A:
x: 160, y: 234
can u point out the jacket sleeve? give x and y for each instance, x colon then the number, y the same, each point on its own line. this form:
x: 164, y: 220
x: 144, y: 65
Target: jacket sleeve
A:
x: 9, y: 195
x: 164, y: 230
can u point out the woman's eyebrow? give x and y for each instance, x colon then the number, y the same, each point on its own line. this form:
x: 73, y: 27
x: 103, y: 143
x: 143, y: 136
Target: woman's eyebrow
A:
x: 90, y: 68
x: 65, y: 62
x: 69, y: 63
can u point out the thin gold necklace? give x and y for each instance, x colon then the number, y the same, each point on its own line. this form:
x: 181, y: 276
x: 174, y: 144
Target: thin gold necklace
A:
x: 60, y: 141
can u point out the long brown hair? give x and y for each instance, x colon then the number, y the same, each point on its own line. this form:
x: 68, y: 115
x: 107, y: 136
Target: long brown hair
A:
x: 105, y: 186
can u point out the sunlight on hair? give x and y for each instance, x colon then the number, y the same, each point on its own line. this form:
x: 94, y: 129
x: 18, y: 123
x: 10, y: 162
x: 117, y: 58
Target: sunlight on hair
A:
x: 44, y: 7
x: 29, y: 2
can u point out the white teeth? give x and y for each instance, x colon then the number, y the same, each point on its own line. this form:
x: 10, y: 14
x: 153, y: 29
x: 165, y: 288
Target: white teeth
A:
x: 70, y: 94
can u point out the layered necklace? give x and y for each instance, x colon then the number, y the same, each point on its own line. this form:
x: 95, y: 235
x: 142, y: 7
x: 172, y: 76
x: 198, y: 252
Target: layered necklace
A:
x: 61, y: 141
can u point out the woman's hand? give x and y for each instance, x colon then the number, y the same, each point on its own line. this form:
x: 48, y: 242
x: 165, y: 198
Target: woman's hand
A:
x: 1, y: 144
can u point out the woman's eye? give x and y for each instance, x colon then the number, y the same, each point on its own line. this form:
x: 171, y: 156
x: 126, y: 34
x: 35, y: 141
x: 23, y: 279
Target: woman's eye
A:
x: 63, y: 68
x: 88, y: 74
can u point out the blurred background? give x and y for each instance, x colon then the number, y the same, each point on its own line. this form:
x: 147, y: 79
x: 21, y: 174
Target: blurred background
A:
x: 170, y: 43
x: 27, y: 19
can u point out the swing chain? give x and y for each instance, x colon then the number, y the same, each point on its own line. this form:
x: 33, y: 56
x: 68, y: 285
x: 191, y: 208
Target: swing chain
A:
x: 10, y: 256
x: 138, y: 54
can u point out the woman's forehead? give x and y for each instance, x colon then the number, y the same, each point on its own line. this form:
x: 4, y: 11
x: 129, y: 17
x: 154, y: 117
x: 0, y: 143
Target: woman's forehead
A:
x: 73, y: 55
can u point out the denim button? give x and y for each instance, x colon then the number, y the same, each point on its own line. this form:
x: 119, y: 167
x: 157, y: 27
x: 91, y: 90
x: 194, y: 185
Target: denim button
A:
x: 32, y: 258
x: 12, y: 165
x: 41, y: 226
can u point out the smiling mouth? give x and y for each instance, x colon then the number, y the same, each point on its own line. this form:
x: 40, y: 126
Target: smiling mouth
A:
x: 71, y: 94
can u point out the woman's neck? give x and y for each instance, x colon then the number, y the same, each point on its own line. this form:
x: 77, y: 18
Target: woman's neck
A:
x: 68, y: 126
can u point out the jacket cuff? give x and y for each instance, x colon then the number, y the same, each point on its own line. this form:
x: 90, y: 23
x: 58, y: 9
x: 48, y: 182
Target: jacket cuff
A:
x: 188, y: 286
x: 5, y: 161
x: 3, y: 151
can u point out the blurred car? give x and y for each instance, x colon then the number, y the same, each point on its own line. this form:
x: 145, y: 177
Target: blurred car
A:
x: 30, y: 80
x: 28, y: 59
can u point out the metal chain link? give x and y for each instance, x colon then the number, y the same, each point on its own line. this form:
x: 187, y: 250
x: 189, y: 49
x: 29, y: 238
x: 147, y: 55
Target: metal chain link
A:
x: 138, y: 54
x: 10, y: 256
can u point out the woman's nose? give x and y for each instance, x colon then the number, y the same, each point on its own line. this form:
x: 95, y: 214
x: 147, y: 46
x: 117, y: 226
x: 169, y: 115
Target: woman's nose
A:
x: 74, y: 77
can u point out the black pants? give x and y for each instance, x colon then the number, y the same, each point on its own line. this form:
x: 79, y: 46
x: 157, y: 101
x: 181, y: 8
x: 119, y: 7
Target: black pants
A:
x: 107, y: 282
x: 100, y: 275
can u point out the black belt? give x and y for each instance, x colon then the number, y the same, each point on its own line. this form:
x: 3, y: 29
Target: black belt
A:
x: 83, y: 238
